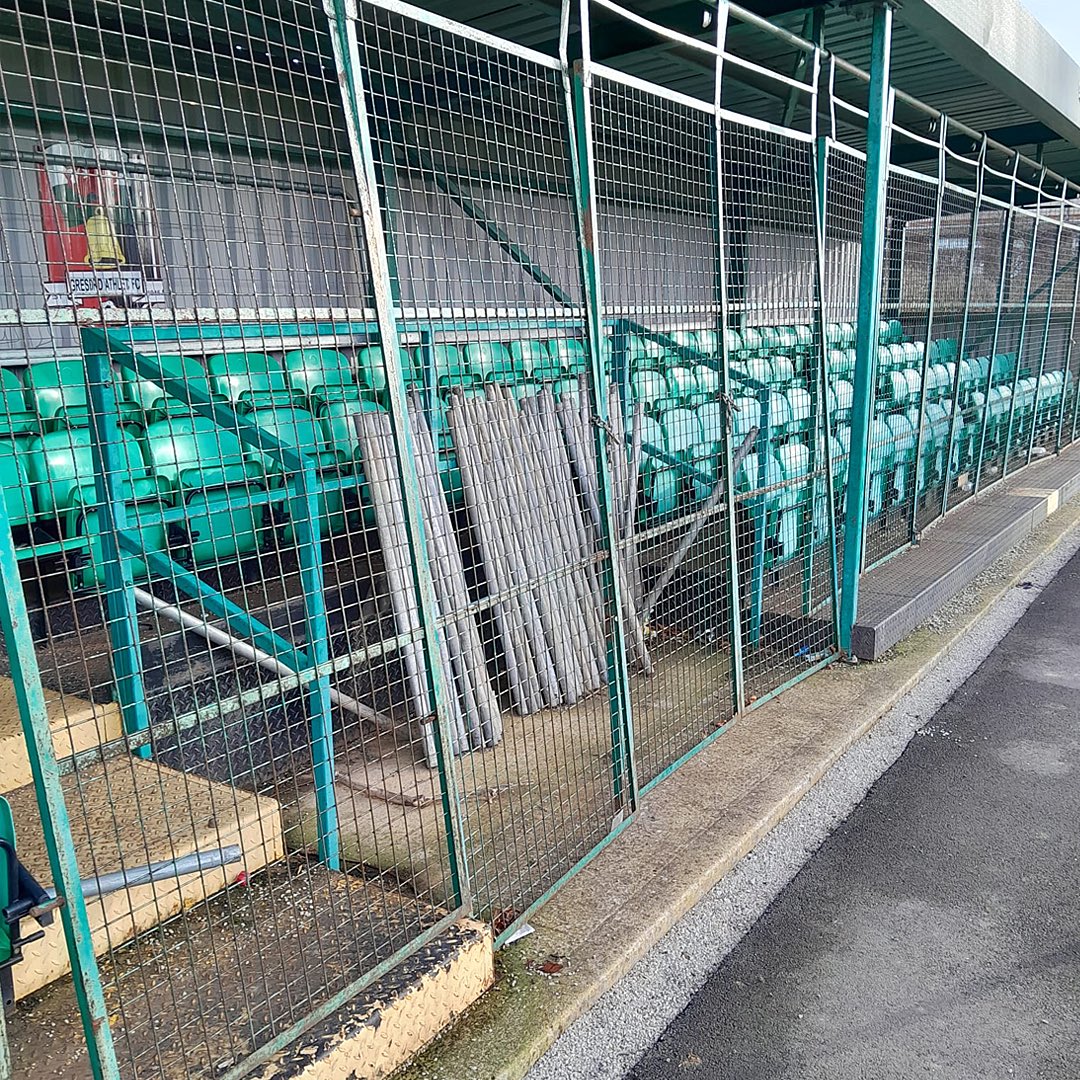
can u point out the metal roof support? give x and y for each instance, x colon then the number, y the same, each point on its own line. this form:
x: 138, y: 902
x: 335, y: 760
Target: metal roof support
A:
x: 866, y: 336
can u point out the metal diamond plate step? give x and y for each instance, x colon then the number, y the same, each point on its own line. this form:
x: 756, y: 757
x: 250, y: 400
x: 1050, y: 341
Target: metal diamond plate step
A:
x: 76, y: 725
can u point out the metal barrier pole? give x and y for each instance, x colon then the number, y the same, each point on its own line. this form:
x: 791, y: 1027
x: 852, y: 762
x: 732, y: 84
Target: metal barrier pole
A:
x: 577, y: 86
x: 738, y: 675
x: 1006, y: 241
x: 110, y: 466
x: 1045, y: 337
x: 866, y: 338
x: 962, y: 344
x: 342, y: 16
x: 63, y: 861
x: 1023, y: 332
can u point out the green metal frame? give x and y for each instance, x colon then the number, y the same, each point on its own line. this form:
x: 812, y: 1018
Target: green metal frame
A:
x: 866, y: 338
x: 52, y: 807
x: 1071, y: 341
x: 577, y: 87
x: 341, y: 15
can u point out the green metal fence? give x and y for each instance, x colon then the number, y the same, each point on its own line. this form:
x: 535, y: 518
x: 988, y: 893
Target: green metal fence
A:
x: 416, y: 446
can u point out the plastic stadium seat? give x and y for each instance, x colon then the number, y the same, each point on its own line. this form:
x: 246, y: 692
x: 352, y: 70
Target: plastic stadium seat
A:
x: 152, y: 400
x: 15, y: 486
x: 708, y: 343
x: 783, y: 371
x: 488, y: 360
x: 371, y: 371
x: 770, y: 339
x: 339, y: 428
x: 682, y: 386
x: 571, y: 355
x: 60, y: 468
x: 641, y: 352
x: 250, y: 380
x: 798, y: 401
x: 747, y: 415
x: 681, y: 430
x: 212, y: 474
x: 650, y: 388
x: 321, y: 375
x: 16, y: 417
x: 708, y: 380
x: 57, y: 391
x: 751, y: 340
x: 528, y: 355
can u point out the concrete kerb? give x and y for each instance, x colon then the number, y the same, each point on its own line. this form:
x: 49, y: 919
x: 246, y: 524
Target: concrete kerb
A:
x: 693, y: 829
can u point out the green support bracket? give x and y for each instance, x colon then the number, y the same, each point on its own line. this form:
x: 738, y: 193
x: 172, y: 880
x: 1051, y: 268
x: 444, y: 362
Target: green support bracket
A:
x: 1023, y: 333
x: 577, y: 85
x: 1006, y: 241
x: 342, y: 17
x: 866, y: 339
x: 1045, y: 343
x: 52, y: 808
x: 920, y: 430
x: 110, y: 475
x: 973, y: 237
x: 720, y: 249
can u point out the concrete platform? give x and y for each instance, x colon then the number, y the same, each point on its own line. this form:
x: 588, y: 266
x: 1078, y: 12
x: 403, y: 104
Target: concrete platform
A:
x: 903, y: 593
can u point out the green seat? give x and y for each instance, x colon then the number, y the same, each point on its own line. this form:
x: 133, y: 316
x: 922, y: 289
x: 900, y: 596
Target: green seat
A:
x: 751, y: 340
x: 191, y: 453
x: 708, y: 380
x: 321, y: 375
x: 213, y: 475
x: 566, y: 388
x: 60, y: 468
x: 798, y: 400
x: 685, y: 339
x: 527, y: 355
x: 487, y: 360
x: 705, y: 455
x: 641, y: 352
x: 682, y: 386
x: 371, y: 370
x: 250, y: 380
x: 57, y: 391
x: 746, y: 417
x: 709, y: 344
x: 681, y: 430
x: 660, y: 481
x: 783, y: 371
x: 338, y: 423
x: 527, y: 388
x: 15, y: 486
x: 152, y: 401
x: 16, y: 417
x: 650, y: 388
x: 571, y: 356
x: 770, y: 339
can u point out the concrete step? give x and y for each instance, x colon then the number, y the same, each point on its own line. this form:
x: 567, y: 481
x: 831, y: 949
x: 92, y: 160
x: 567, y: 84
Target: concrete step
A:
x: 76, y: 725
x: 126, y: 812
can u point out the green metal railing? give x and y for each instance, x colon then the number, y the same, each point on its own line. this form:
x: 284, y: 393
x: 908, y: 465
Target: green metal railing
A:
x: 511, y: 425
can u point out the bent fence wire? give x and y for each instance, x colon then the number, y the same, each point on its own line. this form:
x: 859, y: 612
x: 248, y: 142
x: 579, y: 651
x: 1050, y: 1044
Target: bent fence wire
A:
x: 412, y: 448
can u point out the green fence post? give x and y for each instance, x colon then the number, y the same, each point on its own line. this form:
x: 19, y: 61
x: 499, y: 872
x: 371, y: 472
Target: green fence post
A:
x: 1046, y: 334
x: 342, y: 24
x: 63, y: 861
x: 110, y: 474
x: 738, y: 674
x: 920, y: 430
x: 866, y: 339
x: 1023, y: 332
x: 577, y: 85
x: 1006, y: 241
x: 304, y: 512
x: 973, y: 237
x: 821, y: 383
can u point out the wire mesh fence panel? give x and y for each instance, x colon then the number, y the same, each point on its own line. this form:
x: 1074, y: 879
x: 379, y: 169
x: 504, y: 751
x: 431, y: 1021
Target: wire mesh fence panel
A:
x: 480, y: 204
x: 656, y: 203
x: 785, y: 569
x: 230, y: 650
x: 1036, y: 389
x: 910, y: 206
x: 844, y: 188
x: 951, y: 418
x: 1007, y: 337
x: 1065, y: 328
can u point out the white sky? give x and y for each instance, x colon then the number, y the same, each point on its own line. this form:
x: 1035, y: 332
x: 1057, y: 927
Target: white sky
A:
x: 1062, y: 19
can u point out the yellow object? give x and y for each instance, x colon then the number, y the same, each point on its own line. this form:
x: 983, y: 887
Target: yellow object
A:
x: 102, y: 247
